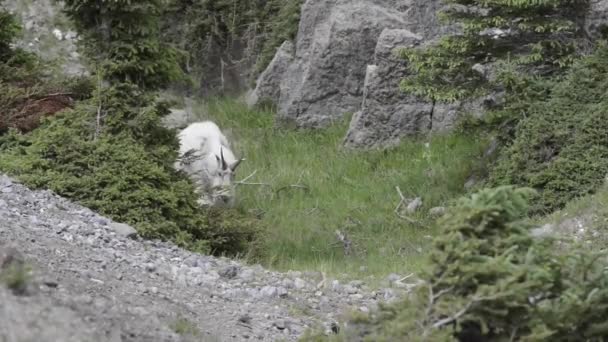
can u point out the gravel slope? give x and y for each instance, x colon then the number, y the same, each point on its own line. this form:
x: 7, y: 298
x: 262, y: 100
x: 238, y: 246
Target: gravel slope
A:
x: 94, y: 280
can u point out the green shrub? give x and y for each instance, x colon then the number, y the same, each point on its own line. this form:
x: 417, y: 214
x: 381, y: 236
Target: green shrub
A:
x: 120, y: 164
x: 540, y: 38
x: 560, y: 145
x: 239, y: 33
x: 490, y: 280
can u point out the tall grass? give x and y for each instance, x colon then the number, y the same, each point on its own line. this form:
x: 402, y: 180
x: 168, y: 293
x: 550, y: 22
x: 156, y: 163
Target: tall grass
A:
x: 306, y: 186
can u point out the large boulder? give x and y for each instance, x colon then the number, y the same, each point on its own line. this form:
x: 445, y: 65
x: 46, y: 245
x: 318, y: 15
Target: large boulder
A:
x: 387, y: 113
x: 268, y: 85
x: 596, y: 20
x: 336, y: 40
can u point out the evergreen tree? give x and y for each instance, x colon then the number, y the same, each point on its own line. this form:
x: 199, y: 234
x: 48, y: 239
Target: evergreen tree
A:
x: 123, y: 36
x: 536, y: 35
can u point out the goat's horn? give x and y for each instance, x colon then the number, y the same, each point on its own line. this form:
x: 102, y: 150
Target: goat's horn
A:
x: 236, y: 164
x: 224, y: 166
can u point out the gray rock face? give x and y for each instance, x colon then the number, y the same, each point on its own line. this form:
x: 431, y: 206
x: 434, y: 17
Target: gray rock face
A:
x: 48, y: 33
x: 335, y: 42
x: 596, y: 19
x: 387, y: 113
x: 268, y: 86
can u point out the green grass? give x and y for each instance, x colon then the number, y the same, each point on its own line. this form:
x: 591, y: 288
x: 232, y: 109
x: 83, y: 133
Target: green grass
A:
x: 183, y: 326
x: 353, y: 191
x: 16, y: 277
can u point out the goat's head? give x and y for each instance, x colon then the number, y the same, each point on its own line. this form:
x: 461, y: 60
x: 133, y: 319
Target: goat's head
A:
x: 223, y: 178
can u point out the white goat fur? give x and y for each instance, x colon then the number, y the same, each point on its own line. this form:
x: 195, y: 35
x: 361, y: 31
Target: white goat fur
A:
x: 202, y: 146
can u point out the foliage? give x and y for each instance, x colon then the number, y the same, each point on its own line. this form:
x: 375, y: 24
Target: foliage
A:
x: 16, y: 277
x: 490, y: 280
x: 234, y: 34
x: 110, y: 152
x: 537, y: 35
x: 283, y: 26
x: 8, y: 30
x: 560, y: 147
x: 122, y: 169
x: 123, y: 37
x: 183, y: 326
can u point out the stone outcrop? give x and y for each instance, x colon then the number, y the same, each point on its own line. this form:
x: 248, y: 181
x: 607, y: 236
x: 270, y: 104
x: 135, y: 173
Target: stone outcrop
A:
x: 386, y: 112
x: 47, y: 32
x: 335, y: 42
x: 327, y: 74
x: 268, y: 86
x: 344, y: 62
x: 596, y: 20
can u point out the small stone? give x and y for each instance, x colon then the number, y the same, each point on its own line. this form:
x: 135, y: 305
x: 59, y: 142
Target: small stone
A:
x: 269, y: 291
x: 245, y: 319
x: 393, y: 277
x: 349, y: 289
x: 279, y: 324
x: 335, y: 285
x: 356, y: 284
x: 364, y: 309
x: 283, y: 293
x: 414, y: 205
x: 247, y: 275
x: 299, y: 283
x: 229, y: 272
x: 288, y: 283
x: 150, y: 267
x: 356, y: 296
x: 318, y: 293
x: 154, y: 290
x: 437, y: 211
x: 123, y: 229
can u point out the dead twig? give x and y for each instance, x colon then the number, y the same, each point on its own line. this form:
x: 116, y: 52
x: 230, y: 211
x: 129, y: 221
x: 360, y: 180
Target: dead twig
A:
x: 297, y: 185
x: 246, y: 178
x: 400, y: 204
x: 346, y: 243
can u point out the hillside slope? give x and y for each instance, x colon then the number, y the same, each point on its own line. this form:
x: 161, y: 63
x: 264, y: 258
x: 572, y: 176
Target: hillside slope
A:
x: 91, y: 282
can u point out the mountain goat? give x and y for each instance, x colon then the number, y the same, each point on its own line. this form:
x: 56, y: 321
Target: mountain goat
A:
x: 205, y: 156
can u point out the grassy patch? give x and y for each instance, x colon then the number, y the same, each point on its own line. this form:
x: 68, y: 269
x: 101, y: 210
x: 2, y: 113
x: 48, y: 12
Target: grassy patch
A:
x: 183, y: 326
x: 16, y: 278
x: 310, y: 187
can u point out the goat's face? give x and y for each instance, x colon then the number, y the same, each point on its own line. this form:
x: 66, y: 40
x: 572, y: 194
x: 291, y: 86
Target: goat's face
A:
x: 222, y: 181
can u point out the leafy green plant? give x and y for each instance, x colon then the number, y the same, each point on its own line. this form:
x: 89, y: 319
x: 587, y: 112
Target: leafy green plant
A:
x: 230, y: 35
x: 559, y: 145
x: 16, y: 277
x: 183, y: 326
x: 122, y: 36
x: 536, y: 35
x: 490, y: 280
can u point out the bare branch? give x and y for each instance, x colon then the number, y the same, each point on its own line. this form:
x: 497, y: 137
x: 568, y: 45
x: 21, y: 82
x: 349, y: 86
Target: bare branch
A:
x: 400, y: 204
x: 247, y: 178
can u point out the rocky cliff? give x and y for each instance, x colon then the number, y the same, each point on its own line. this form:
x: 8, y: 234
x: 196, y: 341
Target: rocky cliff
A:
x: 344, y: 61
x: 48, y: 33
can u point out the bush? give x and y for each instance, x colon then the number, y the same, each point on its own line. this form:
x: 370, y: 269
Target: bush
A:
x: 490, y: 280
x: 120, y: 165
x: 537, y: 36
x: 560, y: 145
x: 237, y: 37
